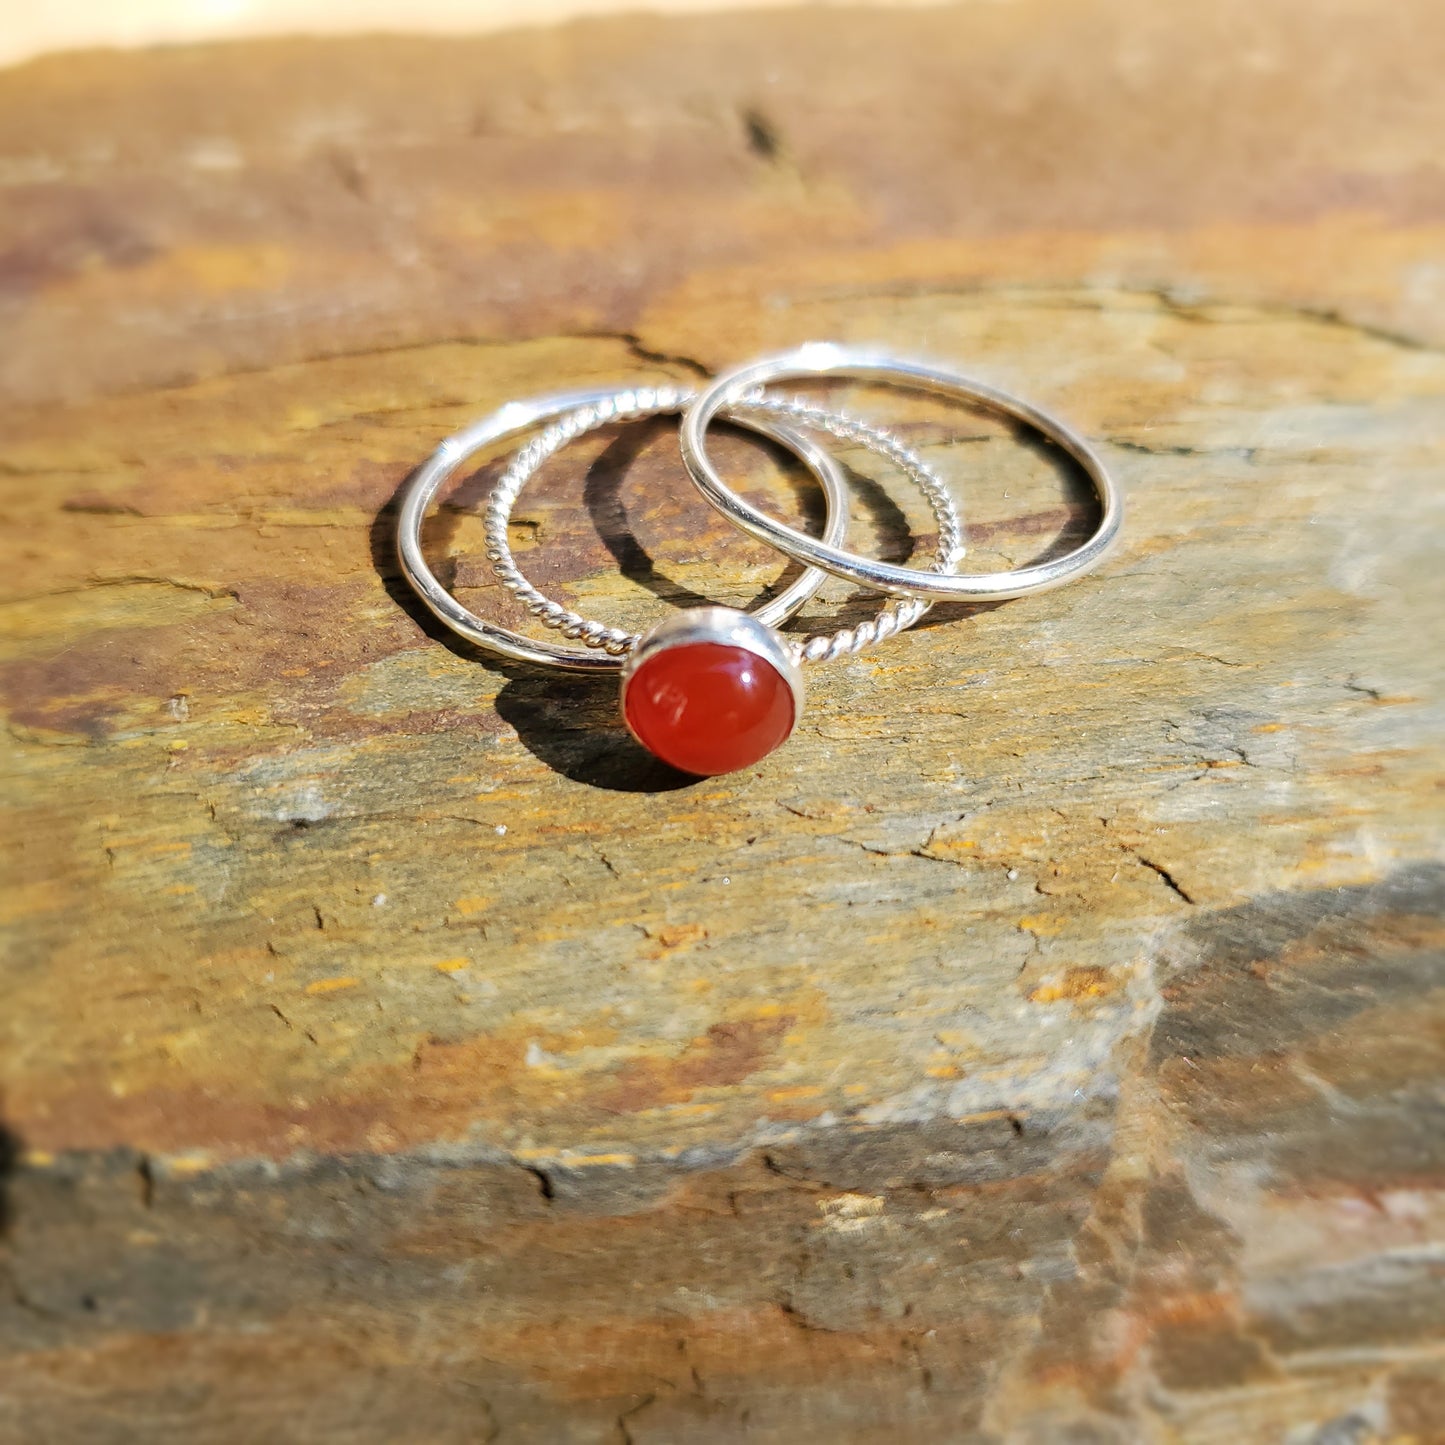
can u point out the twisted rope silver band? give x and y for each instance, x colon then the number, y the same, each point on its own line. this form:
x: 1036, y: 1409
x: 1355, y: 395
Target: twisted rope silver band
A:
x: 894, y: 618
x: 518, y: 417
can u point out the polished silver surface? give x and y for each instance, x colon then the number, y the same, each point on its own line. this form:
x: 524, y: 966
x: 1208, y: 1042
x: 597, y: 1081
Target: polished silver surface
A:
x: 591, y: 407
x: 827, y: 359
x: 724, y: 626
x: 893, y: 618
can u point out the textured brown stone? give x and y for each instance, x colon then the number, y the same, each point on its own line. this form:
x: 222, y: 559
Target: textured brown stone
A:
x: 1045, y: 1045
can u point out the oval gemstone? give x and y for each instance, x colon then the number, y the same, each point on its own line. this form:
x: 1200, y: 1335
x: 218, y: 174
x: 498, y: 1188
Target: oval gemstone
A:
x: 709, y: 707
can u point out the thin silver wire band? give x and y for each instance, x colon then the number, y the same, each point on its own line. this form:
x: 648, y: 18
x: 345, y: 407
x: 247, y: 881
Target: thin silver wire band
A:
x: 826, y: 359
x: 608, y: 403
x: 894, y: 618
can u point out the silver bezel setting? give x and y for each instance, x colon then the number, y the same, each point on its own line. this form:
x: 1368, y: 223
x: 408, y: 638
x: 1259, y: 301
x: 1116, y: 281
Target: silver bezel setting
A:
x: 722, y: 625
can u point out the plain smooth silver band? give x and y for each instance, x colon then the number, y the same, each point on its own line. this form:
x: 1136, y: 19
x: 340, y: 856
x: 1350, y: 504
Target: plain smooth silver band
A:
x: 819, y: 359
x: 521, y: 416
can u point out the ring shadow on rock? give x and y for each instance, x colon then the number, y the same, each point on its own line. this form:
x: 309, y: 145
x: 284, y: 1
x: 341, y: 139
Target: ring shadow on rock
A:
x: 10, y: 1151
x: 569, y: 722
x: 1071, y: 522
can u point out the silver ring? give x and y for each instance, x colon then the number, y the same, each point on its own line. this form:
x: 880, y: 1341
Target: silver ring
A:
x: 622, y: 403
x: 898, y: 615
x: 828, y: 359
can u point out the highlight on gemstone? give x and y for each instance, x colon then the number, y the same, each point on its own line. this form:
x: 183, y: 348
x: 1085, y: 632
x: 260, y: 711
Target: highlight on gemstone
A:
x: 709, y: 707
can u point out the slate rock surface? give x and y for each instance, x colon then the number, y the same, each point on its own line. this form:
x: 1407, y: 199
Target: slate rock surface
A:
x: 1046, y: 1045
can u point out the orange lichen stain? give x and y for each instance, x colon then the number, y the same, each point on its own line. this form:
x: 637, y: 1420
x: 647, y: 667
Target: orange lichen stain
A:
x: 230, y: 268
x: 177, y: 890
x: 726, y: 1054
x: 576, y: 1161
x: 944, y: 1071
x: 1270, y: 728
x: 1202, y: 1308
x: 183, y: 1165
x: 452, y: 965
x: 1077, y: 983
x: 673, y: 936
x: 469, y: 907
x: 986, y: 1116
x: 788, y: 1096
x: 331, y: 985
x: 1043, y: 924
x: 214, y: 270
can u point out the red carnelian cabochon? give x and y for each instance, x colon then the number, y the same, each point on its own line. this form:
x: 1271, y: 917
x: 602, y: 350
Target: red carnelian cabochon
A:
x: 709, y: 707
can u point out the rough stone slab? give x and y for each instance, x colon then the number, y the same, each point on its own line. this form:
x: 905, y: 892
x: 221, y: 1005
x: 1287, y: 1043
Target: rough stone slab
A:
x: 1046, y: 1045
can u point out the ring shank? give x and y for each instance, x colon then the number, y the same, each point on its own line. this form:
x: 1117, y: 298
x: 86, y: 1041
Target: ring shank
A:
x: 825, y: 359
x: 625, y: 403
x: 899, y: 614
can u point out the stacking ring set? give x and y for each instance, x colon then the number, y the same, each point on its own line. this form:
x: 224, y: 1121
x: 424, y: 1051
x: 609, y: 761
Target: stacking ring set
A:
x: 711, y: 689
